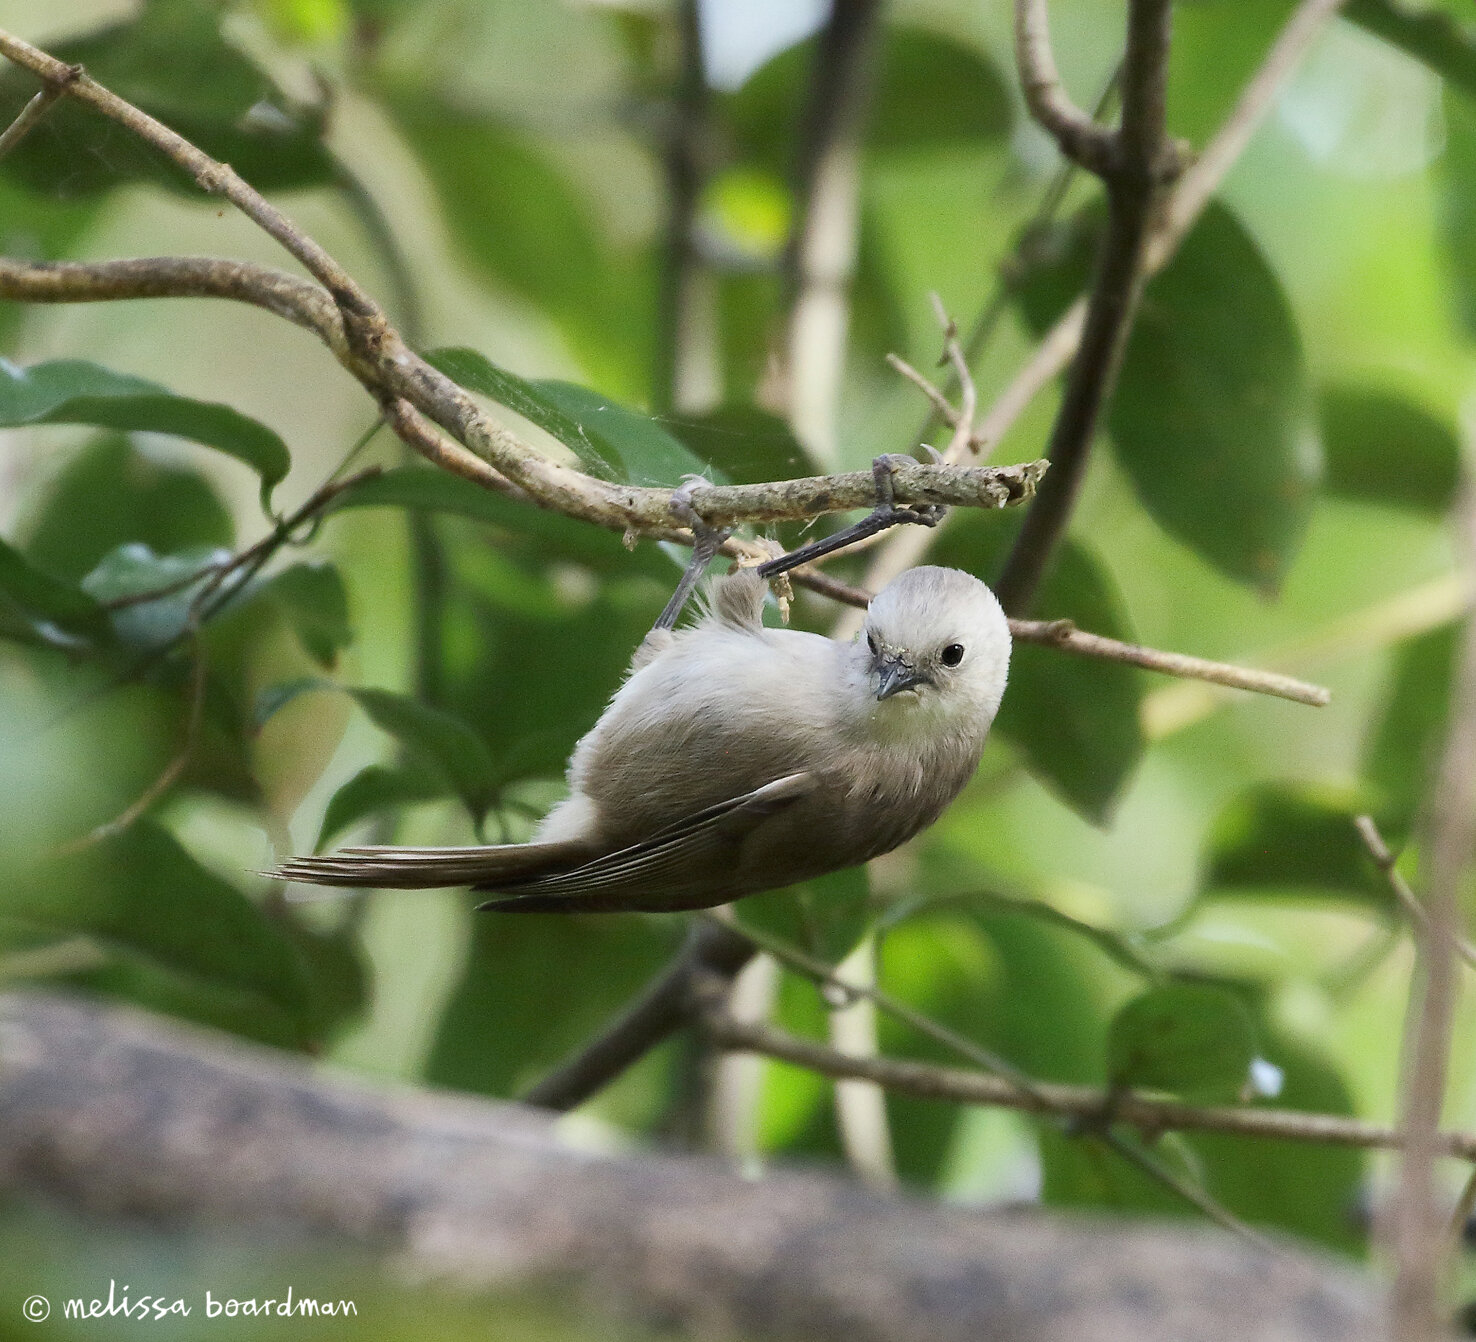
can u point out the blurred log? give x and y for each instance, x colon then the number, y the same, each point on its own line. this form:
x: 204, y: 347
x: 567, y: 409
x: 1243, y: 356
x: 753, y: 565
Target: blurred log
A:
x: 114, y: 1112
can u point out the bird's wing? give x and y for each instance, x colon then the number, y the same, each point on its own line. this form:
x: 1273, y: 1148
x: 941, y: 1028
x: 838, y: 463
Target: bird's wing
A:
x: 689, y: 865
x: 392, y: 868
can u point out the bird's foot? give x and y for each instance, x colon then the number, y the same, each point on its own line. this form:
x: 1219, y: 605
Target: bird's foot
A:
x: 706, y: 542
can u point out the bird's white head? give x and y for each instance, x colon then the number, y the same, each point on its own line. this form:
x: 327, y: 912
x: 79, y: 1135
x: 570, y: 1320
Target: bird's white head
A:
x: 936, y: 641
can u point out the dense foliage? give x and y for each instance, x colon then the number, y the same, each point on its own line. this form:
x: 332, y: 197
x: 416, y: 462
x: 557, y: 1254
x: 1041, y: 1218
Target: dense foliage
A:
x: 1150, y: 882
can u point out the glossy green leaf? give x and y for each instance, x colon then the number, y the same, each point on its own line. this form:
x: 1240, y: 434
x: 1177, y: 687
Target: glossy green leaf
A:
x: 1190, y: 1038
x: 609, y: 440
x: 375, y: 789
x: 1385, y: 448
x: 1276, y: 838
x: 1212, y: 418
x: 73, y: 391
x: 112, y: 494
x: 1075, y: 720
x: 1403, y: 748
x: 172, y: 62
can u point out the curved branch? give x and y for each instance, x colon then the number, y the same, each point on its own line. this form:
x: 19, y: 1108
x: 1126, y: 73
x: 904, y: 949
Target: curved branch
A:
x: 1081, y: 139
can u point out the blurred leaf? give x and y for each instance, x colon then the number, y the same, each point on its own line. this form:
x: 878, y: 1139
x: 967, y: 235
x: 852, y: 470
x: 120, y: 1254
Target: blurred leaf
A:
x: 1440, y: 33
x: 111, y: 494
x: 932, y: 92
x: 535, y: 988
x: 1386, y: 448
x: 439, y: 740
x: 172, y: 62
x: 611, y: 441
x: 376, y: 788
x: 1194, y: 1039
x: 1033, y: 993
x: 826, y: 917
x: 744, y: 444
x: 1212, y: 415
x: 36, y: 228
x: 550, y: 535
x: 1075, y: 720
x: 1403, y: 748
x: 73, y: 391
x: 54, y: 611
x: 142, y: 894
x: 132, y: 570
x: 1278, y: 838
x: 313, y: 598
x: 518, y: 221
x: 1457, y: 179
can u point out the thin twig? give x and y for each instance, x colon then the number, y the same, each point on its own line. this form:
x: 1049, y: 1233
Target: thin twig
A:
x: 1146, y: 1113
x: 30, y: 116
x: 1181, y: 211
x: 963, y: 438
x: 1141, y: 159
x: 1080, y: 138
x: 1385, y: 860
x: 1417, y: 1225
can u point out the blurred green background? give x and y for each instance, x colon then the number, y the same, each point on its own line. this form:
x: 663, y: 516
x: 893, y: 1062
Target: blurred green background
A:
x: 1273, y: 485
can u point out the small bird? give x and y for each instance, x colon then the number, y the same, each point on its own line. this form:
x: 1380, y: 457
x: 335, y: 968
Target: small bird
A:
x: 737, y: 758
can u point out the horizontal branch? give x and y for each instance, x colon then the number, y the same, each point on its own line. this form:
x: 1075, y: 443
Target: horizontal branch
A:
x: 1089, y: 1104
x: 404, y: 383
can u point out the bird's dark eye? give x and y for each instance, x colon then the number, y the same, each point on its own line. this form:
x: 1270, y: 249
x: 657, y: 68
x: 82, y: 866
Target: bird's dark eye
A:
x: 953, y: 654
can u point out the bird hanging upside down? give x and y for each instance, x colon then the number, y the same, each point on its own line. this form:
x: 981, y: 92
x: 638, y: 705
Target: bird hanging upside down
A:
x: 736, y: 758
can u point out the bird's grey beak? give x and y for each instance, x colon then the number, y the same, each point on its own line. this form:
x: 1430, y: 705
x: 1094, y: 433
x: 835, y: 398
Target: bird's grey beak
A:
x: 893, y: 675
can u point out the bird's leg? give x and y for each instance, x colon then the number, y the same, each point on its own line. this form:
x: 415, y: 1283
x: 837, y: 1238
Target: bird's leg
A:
x: 706, y: 542
x: 887, y: 513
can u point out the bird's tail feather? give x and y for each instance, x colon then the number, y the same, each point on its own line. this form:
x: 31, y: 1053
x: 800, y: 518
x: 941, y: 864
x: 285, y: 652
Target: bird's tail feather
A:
x: 393, y: 868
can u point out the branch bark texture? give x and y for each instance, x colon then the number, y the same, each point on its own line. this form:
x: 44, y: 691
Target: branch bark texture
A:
x: 115, y: 1113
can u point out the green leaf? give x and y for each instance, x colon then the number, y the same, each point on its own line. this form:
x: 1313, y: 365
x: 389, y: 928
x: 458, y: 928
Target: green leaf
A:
x: 313, y: 598
x: 35, y: 228
x: 1075, y: 720
x: 172, y: 62
x: 1190, y: 1038
x: 744, y: 444
x: 544, y: 534
x: 826, y: 917
x: 438, y: 740
x: 142, y: 894
x: 1386, y: 448
x: 1212, y: 418
x: 130, y: 571
x: 111, y: 494
x: 1278, y: 837
x: 610, y: 441
x: 1403, y: 748
x: 376, y: 788
x: 73, y: 391
x: 1457, y: 180
x: 1439, y: 33
x: 54, y: 611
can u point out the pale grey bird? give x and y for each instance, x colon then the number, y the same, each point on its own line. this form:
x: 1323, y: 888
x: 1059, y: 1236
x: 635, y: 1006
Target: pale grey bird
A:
x: 737, y: 758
